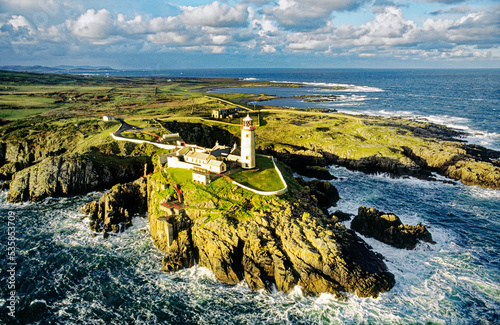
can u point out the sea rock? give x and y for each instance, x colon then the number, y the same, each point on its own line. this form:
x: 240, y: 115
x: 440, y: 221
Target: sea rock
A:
x: 72, y: 174
x: 290, y: 243
x: 323, y: 192
x: 388, y: 228
x: 342, y: 216
x: 115, y: 209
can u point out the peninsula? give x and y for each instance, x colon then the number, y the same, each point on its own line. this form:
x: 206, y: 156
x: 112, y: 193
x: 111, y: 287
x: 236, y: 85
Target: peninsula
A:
x: 56, y: 140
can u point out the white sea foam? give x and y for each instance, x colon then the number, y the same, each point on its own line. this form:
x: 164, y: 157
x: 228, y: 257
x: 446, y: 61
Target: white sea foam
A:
x: 342, y: 87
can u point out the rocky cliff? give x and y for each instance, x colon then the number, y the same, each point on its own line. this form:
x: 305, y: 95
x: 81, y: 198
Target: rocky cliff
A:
x: 73, y: 174
x: 115, y: 209
x: 388, y: 228
x: 274, y: 243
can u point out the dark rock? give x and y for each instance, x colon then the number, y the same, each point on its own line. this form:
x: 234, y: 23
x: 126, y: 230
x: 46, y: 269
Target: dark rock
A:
x: 115, y: 209
x: 316, y: 172
x: 342, y: 216
x: 71, y: 175
x: 388, y: 228
x: 9, y: 169
x: 324, y: 192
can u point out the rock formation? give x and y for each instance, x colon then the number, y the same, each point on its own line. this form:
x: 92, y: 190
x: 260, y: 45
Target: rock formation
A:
x: 389, y: 229
x: 115, y: 209
x: 71, y: 175
x: 287, y: 243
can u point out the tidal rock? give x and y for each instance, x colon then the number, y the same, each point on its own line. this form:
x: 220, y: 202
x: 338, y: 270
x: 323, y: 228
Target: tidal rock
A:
x: 342, y: 216
x: 115, y: 209
x: 388, y: 228
x: 72, y: 175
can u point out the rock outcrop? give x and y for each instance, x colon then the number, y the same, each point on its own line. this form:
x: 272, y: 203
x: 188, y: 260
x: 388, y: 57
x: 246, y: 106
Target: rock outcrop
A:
x: 288, y: 242
x: 470, y: 164
x: 389, y: 229
x: 115, y: 209
x: 71, y: 175
x: 324, y: 193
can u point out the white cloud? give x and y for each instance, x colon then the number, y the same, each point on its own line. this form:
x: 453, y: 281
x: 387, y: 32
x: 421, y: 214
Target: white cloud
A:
x: 220, y: 39
x: 265, y: 26
x: 168, y: 38
x: 92, y: 24
x: 160, y: 24
x: 18, y: 21
x: 287, y: 26
x: 215, y: 15
x: 267, y: 48
x: 308, y: 14
x: 138, y: 25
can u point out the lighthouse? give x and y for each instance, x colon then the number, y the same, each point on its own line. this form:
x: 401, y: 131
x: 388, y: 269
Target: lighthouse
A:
x: 247, y: 143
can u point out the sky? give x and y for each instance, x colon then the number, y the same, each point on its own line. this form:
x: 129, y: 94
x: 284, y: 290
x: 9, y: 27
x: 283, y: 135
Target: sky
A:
x: 155, y: 34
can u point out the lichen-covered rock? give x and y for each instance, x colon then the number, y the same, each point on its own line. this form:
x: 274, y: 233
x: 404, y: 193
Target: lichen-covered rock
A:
x: 289, y: 243
x: 71, y: 175
x: 388, y: 228
x: 115, y: 209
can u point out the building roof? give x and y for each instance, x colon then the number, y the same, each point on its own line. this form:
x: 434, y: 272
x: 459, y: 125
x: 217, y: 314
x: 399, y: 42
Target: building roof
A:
x: 248, y: 118
x: 216, y: 163
x: 198, y: 155
x: 183, y: 151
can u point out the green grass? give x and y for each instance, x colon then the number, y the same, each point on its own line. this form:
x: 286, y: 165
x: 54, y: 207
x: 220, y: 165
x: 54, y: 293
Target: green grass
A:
x: 263, y: 178
x: 20, y: 113
x: 180, y: 176
x: 25, y: 101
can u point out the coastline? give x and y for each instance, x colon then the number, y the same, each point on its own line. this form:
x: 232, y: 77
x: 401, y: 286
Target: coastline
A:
x: 29, y: 153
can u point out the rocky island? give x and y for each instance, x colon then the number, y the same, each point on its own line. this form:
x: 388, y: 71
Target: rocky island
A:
x: 56, y: 141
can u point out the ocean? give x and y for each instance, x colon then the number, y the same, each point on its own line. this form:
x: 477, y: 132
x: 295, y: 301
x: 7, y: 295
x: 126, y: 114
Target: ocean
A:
x: 65, y: 276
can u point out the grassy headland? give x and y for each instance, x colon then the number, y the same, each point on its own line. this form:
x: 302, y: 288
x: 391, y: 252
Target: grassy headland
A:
x: 44, y: 115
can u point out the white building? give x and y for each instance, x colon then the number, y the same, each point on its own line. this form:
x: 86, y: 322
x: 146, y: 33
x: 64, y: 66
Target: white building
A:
x: 247, y: 143
x: 190, y: 158
x: 213, y: 159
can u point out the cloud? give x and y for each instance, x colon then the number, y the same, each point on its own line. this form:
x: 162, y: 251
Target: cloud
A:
x: 215, y: 15
x: 267, y: 48
x: 310, y: 14
x: 18, y: 21
x: 287, y: 27
x: 92, y: 24
x: 442, y: 1
x: 168, y: 38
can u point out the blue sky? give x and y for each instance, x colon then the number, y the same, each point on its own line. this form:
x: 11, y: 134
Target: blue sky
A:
x: 173, y: 34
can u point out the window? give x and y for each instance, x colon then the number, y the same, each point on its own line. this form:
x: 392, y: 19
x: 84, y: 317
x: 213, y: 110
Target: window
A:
x: 248, y: 135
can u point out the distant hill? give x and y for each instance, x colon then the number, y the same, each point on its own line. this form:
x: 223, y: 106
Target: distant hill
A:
x: 58, y: 69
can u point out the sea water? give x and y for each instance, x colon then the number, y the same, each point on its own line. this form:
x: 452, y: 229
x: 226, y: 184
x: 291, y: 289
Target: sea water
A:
x: 65, y: 275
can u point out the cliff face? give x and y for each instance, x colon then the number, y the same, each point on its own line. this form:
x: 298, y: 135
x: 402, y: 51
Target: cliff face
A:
x: 115, y: 209
x: 71, y: 175
x: 283, y: 244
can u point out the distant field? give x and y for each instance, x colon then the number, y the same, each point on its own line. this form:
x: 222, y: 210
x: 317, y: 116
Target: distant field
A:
x: 15, y: 107
x: 24, y: 101
x: 17, y: 114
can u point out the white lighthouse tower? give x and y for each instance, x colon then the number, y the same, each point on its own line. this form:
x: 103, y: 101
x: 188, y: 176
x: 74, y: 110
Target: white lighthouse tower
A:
x: 247, y: 143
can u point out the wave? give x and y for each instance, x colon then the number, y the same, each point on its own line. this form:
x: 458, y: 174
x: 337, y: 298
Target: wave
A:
x: 338, y: 86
